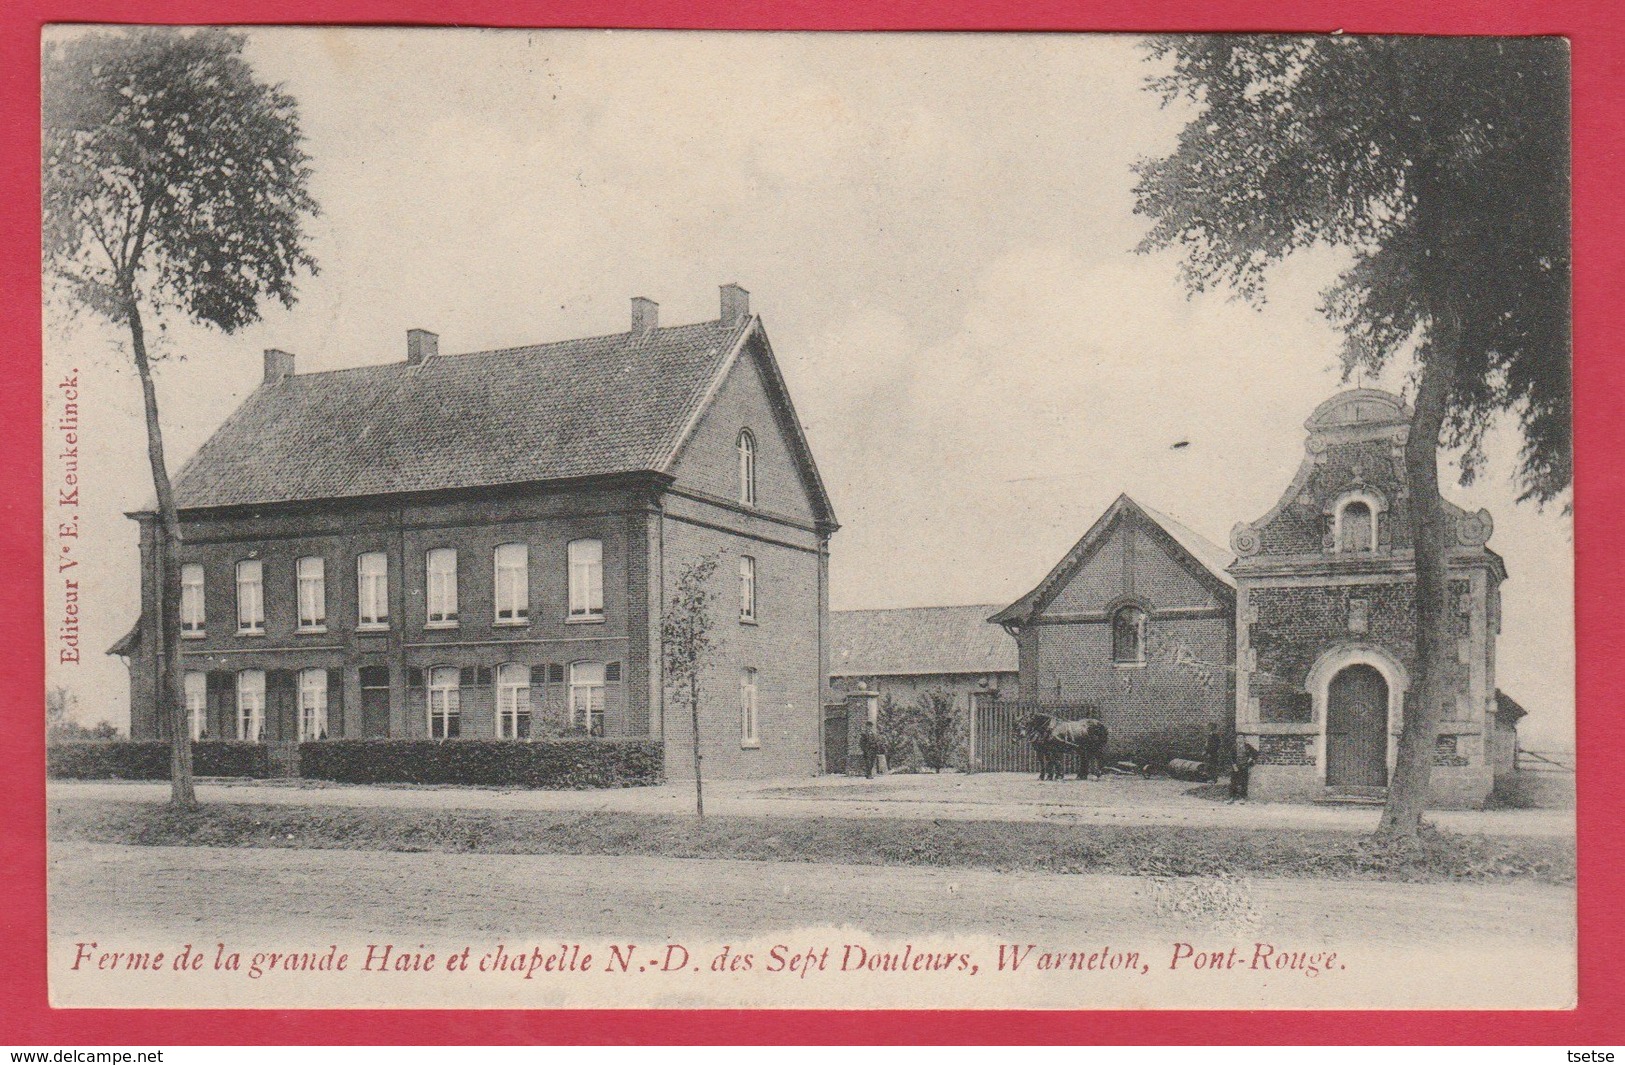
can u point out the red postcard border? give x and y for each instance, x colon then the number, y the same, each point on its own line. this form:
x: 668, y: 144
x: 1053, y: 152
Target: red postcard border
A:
x: 1598, y: 36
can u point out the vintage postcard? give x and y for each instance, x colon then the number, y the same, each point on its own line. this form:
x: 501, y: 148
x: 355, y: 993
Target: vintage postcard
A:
x: 703, y: 519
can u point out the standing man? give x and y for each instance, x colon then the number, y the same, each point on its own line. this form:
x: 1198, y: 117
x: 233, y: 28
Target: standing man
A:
x: 1246, y: 755
x: 869, y: 743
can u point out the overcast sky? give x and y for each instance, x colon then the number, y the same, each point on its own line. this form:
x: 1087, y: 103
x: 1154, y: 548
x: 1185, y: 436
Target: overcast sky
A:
x: 937, y: 230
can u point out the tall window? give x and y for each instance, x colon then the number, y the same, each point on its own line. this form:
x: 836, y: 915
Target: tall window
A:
x: 197, y: 704
x: 441, y: 565
x: 747, y: 588
x: 445, y: 703
x: 513, y: 702
x: 1128, y: 635
x: 747, y: 709
x: 513, y: 583
x: 250, y: 596
x: 191, y: 599
x: 372, y: 590
x: 586, y: 579
x: 587, y: 696
x: 313, y: 704
x: 1356, y: 527
x: 251, y: 705
x: 747, y: 468
x: 312, y: 578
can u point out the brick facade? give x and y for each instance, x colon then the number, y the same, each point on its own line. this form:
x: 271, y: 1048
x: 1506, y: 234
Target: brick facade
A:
x: 1161, y: 704
x: 1319, y: 592
x: 650, y: 525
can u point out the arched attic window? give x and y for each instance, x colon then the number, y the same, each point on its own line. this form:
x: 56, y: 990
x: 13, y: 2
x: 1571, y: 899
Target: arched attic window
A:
x: 1128, y: 635
x: 1356, y: 526
x: 747, y: 468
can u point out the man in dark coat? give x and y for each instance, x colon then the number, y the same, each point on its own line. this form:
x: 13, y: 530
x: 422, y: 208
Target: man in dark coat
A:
x: 1214, y: 757
x: 1245, y: 757
x: 869, y: 743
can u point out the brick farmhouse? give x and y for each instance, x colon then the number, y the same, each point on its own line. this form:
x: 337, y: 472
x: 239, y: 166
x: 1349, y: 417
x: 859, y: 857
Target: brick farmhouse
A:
x: 482, y: 545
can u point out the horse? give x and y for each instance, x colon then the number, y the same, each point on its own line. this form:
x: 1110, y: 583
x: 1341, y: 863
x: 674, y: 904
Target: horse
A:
x: 1053, y: 739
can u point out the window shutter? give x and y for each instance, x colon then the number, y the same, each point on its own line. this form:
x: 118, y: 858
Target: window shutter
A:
x: 465, y: 677
x: 612, y: 673
x: 555, y: 673
x: 281, y: 713
x: 482, y: 677
x: 335, y: 703
x: 414, y: 677
x: 538, y: 676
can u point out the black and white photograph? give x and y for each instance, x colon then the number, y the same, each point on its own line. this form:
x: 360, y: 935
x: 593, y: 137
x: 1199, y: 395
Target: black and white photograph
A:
x: 648, y: 519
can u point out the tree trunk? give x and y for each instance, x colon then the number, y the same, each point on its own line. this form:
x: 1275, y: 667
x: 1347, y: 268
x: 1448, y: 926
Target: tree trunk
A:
x: 1433, y: 680
x: 694, y: 713
x: 171, y: 686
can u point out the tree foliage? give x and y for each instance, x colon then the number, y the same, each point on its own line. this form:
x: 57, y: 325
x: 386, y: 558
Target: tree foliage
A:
x: 174, y: 182
x: 686, y: 649
x: 173, y: 176
x: 1442, y: 165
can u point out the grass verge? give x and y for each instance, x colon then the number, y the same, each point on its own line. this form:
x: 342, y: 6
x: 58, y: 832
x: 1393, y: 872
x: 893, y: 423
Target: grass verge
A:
x: 1003, y: 846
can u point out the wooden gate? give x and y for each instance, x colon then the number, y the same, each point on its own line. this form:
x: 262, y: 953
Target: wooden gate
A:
x: 835, y: 738
x: 997, y: 745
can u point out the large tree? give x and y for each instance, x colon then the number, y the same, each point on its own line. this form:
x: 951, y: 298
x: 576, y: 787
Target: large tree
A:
x: 1442, y: 166
x: 174, y: 183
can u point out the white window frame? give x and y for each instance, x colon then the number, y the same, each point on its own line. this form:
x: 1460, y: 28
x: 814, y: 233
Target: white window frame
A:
x: 192, y: 601
x: 747, y: 588
x: 440, y: 587
x: 749, y: 722
x: 251, y: 597
x: 586, y: 564
x: 251, y: 705
x: 513, y: 701
x: 372, y: 591
x: 445, y: 701
x: 587, y: 694
x: 312, y: 704
x: 510, y: 583
x: 197, y: 704
x: 746, y: 443
x: 1373, y: 506
x: 310, y: 585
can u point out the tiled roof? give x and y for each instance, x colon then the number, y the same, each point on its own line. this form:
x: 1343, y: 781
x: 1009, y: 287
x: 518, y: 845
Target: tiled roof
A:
x: 1215, y: 559
x: 576, y: 408
x: 918, y: 641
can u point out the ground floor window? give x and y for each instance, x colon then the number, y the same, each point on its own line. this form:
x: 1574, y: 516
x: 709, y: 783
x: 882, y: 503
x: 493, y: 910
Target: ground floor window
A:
x: 587, y: 696
x: 251, y: 705
x: 197, y: 705
x: 747, y: 709
x: 513, y: 702
x: 312, y: 704
x: 445, y: 703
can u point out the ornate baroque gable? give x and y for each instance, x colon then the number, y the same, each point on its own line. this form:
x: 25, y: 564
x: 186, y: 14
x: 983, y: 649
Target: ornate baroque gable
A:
x: 1355, y: 453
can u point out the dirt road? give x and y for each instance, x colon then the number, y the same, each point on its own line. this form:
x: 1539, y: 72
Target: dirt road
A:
x: 1395, y: 944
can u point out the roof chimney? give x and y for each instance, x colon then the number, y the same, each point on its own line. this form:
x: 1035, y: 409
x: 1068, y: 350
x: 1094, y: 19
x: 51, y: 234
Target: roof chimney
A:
x: 278, y: 364
x: 421, y: 344
x: 735, y: 305
x: 645, y: 316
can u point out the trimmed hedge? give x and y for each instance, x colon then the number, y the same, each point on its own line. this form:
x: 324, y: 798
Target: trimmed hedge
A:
x: 554, y: 764
x: 149, y: 760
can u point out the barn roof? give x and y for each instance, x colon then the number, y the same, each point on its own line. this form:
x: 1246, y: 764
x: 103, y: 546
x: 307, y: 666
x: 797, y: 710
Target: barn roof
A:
x: 918, y: 641
x: 1206, y: 557
x: 558, y: 411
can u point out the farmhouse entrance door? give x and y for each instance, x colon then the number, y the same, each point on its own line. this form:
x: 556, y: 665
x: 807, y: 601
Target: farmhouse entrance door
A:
x: 374, y: 701
x: 1357, y: 728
